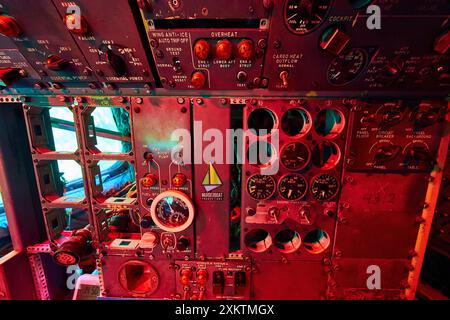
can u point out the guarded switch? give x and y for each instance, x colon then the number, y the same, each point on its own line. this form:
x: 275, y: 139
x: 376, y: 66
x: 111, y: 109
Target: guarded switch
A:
x: 9, y: 27
x: 240, y: 281
x: 224, y: 49
x: 246, y: 49
x: 202, y: 49
x: 218, y: 282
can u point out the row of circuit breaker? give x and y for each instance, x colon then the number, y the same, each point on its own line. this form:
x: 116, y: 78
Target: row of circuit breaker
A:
x: 139, y: 46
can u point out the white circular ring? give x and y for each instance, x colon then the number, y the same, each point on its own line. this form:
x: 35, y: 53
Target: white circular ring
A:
x: 176, y: 194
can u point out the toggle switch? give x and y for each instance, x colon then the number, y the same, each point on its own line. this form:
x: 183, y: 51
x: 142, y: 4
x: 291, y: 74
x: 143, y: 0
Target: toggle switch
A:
x: 284, y: 75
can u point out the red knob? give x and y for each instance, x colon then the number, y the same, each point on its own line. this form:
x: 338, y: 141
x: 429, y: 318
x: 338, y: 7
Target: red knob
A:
x: 55, y: 62
x: 198, y: 79
x: 9, y: 27
x: 149, y: 180
x: 224, y: 49
x: 179, y: 180
x: 202, y: 49
x: 246, y: 49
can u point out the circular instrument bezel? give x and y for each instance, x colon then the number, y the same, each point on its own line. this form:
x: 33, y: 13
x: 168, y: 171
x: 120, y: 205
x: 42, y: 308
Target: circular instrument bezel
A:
x: 283, y: 150
x: 271, y: 113
x: 307, y: 125
x: 297, y: 175
x: 307, y: 30
x: 176, y: 194
x: 266, y: 176
x: 324, y: 174
x: 364, y: 64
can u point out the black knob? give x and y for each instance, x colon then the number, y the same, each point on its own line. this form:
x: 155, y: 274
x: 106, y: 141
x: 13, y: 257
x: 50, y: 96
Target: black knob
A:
x: 117, y: 63
x: 419, y: 154
x: 183, y: 244
x: 146, y: 222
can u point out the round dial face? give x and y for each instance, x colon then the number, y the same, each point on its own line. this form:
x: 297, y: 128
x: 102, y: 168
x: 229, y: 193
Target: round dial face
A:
x: 261, y: 187
x: 292, y: 187
x: 295, y: 156
x: 303, y: 16
x: 172, y: 211
x: 346, y: 67
x: 325, y: 187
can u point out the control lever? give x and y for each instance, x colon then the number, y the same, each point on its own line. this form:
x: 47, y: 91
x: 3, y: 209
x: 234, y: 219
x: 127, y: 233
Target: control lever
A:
x: 419, y: 154
x: 391, y: 118
x: 386, y: 153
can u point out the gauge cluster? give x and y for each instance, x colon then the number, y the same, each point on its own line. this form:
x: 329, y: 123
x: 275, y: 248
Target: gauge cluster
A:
x: 323, y: 45
x: 300, y: 197
x: 132, y: 121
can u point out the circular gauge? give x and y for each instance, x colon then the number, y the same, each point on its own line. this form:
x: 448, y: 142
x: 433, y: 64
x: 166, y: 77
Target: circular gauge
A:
x: 258, y: 240
x: 358, y: 4
x: 287, y: 241
x: 261, y: 154
x: 262, y: 121
x: 292, y: 186
x: 296, y: 122
x: 329, y: 123
x: 261, y: 187
x: 324, y: 187
x: 138, y: 277
x: 303, y: 16
x: 316, y: 241
x: 295, y: 156
x: 346, y: 67
x: 172, y: 211
x: 326, y: 155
